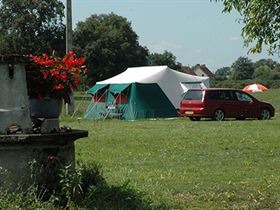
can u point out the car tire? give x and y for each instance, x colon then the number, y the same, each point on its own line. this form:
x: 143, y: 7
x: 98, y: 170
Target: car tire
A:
x: 265, y: 114
x: 195, y: 118
x: 219, y: 115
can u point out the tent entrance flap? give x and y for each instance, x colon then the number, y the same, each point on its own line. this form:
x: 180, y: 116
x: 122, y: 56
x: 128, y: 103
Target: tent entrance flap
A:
x: 118, y: 88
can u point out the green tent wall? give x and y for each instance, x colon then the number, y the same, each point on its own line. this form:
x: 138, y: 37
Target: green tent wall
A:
x: 143, y: 101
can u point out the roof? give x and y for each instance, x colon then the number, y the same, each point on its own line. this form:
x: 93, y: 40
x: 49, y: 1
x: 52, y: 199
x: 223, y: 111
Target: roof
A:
x: 204, y: 69
x: 188, y: 70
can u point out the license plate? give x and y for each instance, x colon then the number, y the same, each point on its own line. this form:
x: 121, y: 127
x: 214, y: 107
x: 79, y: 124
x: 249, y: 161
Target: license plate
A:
x: 188, y: 112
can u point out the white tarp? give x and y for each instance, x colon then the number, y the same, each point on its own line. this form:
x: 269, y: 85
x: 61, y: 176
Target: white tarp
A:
x: 173, y: 83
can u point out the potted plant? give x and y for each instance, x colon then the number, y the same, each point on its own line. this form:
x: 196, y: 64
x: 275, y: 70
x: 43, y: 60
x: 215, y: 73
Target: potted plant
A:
x: 51, y: 80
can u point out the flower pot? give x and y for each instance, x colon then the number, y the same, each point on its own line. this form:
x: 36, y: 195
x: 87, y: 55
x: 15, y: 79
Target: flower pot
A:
x: 46, y: 108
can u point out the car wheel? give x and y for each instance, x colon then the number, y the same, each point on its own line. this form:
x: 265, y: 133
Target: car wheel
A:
x: 219, y: 115
x: 265, y: 114
x: 195, y: 118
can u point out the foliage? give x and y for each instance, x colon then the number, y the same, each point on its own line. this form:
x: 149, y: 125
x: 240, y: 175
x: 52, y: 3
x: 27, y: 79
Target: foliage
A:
x: 273, y: 65
x: 242, y: 69
x: 53, y: 76
x: 166, y: 58
x: 240, y: 84
x: 109, y: 45
x: 80, y: 188
x: 30, y: 26
x: 261, y: 22
x: 265, y: 71
x: 222, y: 74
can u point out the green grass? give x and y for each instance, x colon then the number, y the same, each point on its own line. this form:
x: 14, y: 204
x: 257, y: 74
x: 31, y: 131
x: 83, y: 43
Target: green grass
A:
x: 168, y: 164
x: 190, y: 165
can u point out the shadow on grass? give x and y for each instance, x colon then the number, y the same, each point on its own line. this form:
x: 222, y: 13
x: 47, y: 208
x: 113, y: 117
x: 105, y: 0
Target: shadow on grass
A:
x: 85, y: 187
x: 66, y: 187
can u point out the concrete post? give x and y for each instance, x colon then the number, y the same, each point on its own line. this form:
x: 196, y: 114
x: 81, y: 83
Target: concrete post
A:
x: 14, y: 104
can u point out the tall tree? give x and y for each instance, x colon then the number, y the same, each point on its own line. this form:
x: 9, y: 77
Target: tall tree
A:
x: 242, y: 69
x: 31, y: 26
x: 166, y: 58
x: 109, y: 45
x: 222, y: 73
x: 261, y: 19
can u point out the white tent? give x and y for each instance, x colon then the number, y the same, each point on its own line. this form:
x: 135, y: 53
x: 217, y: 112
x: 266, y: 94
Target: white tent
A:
x: 173, y: 83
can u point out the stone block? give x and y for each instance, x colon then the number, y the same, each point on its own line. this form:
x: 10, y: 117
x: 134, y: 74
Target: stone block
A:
x: 50, y: 125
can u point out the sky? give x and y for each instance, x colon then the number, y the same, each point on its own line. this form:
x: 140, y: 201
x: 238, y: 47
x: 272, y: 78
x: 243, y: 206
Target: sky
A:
x: 195, y: 31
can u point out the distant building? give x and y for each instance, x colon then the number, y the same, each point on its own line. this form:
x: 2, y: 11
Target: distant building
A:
x: 187, y: 70
x: 197, y: 70
x: 202, y: 71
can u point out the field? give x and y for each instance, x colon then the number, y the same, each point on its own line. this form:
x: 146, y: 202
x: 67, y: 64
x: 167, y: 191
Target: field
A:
x: 179, y: 164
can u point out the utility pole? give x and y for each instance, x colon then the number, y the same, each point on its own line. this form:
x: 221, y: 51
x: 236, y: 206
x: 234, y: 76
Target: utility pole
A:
x: 69, y: 107
x: 69, y: 40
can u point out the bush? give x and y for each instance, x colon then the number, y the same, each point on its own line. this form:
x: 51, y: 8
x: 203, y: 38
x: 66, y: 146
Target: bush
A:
x: 240, y: 84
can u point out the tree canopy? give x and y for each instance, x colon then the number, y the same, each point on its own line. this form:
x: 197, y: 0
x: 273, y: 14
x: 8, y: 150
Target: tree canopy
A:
x: 222, y: 73
x: 261, y: 19
x: 166, y: 58
x: 31, y: 26
x: 242, y: 69
x: 243, y: 72
x: 109, y: 45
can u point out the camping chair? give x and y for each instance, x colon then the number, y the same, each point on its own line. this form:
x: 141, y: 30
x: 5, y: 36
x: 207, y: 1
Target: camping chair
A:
x: 114, y: 111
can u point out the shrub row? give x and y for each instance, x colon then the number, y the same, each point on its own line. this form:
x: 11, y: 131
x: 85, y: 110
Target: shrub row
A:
x: 240, y: 84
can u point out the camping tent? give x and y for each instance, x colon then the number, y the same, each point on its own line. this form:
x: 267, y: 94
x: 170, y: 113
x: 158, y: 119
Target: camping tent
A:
x: 142, y: 92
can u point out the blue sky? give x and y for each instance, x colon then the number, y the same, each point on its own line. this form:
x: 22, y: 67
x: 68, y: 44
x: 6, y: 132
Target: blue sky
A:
x: 195, y: 31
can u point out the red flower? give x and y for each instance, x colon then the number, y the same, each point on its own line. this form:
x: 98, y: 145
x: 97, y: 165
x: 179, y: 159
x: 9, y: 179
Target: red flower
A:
x: 45, y: 74
x: 57, y: 77
x: 58, y: 87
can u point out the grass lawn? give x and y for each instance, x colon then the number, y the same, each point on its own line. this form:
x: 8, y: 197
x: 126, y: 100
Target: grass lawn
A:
x: 180, y: 164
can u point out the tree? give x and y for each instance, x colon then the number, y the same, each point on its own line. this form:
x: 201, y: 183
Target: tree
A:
x: 222, y: 73
x: 263, y: 72
x: 261, y: 22
x: 266, y: 62
x: 242, y: 69
x: 166, y: 58
x: 109, y: 45
x: 31, y: 26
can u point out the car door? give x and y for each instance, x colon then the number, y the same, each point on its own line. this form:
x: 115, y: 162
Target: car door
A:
x: 246, y: 104
x: 229, y: 101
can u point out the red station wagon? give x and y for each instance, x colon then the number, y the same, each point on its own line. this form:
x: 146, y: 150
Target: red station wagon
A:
x: 219, y: 103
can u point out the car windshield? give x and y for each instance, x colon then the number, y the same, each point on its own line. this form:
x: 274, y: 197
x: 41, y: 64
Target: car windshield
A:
x: 193, y: 95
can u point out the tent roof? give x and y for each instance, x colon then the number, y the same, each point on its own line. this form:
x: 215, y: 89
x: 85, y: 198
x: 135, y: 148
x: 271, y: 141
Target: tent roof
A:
x: 149, y: 74
x: 173, y: 83
x: 96, y: 88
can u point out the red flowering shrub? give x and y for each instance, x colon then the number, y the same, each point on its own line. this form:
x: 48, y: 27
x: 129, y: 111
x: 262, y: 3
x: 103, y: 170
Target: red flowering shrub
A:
x: 53, y: 76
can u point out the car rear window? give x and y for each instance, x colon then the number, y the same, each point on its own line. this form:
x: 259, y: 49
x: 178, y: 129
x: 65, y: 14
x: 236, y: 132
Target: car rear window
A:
x: 193, y: 95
